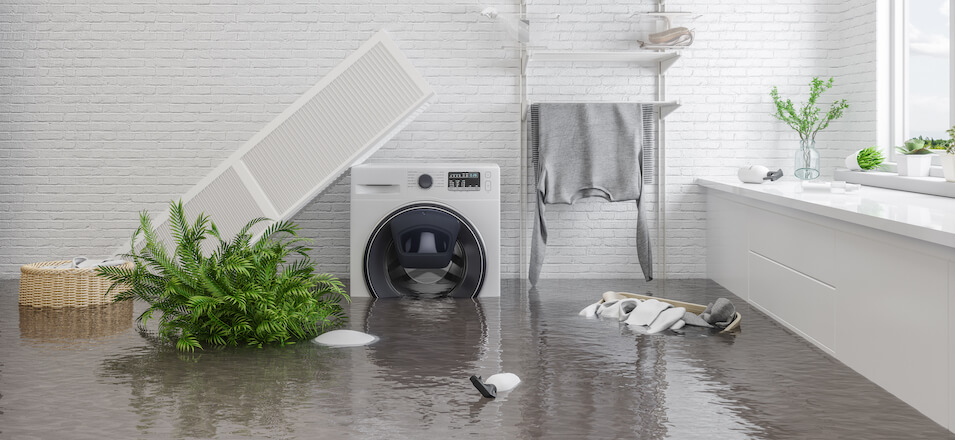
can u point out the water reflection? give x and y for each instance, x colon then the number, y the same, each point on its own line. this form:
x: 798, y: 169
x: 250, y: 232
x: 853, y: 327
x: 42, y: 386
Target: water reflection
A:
x: 427, y: 337
x: 74, y: 324
x: 213, y: 392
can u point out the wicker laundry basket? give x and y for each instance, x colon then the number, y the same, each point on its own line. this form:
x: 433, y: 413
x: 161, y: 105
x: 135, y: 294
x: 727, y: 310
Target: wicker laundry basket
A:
x: 43, y: 286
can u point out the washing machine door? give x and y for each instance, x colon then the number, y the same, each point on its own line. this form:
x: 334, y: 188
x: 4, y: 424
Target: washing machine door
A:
x: 425, y: 250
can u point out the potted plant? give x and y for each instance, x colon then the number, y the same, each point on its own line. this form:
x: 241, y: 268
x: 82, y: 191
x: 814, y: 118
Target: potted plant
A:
x: 916, y: 158
x: 948, y: 158
x: 244, y: 293
x: 808, y: 121
x: 865, y: 159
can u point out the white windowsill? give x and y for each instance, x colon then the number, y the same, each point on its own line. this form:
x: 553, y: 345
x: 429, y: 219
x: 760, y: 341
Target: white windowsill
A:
x: 934, y: 184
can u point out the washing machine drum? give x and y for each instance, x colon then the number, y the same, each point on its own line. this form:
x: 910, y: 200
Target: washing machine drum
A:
x: 425, y: 250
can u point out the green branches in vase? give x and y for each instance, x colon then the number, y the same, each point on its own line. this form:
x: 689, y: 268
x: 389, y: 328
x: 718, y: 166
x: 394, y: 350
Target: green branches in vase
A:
x: 808, y: 120
x: 243, y: 293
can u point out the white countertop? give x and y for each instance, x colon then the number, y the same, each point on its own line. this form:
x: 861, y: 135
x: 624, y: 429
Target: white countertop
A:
x: 921, y: 216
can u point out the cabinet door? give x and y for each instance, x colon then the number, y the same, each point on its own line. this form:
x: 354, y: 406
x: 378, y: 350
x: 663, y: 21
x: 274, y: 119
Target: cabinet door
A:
x: 795, y: 243
x: 951, y: 347
x: 892, y: 320
x: 727, y: 244
x: 803, y: 304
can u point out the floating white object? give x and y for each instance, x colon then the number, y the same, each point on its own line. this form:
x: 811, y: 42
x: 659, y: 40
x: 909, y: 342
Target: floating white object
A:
x: 503, y: 381
x: 345, y: 338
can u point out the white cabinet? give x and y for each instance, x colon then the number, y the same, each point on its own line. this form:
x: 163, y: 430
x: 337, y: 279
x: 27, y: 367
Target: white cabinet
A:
x: 892, y: 320
x: 879, y: 302
x: 727, y: 244
x: 805, y: 304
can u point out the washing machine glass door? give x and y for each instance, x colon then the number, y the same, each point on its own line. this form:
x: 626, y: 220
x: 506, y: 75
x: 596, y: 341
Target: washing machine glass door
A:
x: 424, y: 250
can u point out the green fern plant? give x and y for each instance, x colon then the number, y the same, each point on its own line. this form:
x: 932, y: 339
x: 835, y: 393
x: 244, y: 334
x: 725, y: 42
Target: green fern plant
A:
x: 870, y: 158
x: 244, y: 293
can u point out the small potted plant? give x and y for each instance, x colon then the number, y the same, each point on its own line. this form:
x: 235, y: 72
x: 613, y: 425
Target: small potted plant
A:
x: 948, y: 158
x: 865, y: 159
x: 916, y: 158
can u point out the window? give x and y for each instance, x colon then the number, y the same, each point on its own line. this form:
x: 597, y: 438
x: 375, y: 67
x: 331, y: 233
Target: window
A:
x: 920, y: 72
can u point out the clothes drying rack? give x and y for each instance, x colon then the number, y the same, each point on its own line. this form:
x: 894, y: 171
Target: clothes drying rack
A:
x: 660, y: 60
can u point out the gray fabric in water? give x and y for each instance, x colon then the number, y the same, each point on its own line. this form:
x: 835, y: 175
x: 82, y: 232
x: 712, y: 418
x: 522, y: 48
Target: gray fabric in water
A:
x: 694, y: 319
x: 719, y: 313
x: 587, y: 150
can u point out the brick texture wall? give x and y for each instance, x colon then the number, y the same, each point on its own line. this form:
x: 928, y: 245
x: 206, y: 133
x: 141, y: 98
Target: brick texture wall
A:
x: 110, y: 107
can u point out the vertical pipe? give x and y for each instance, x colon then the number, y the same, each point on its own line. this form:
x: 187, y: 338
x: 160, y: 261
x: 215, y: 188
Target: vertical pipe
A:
x: 661, y: 167
x: 661, y: 175
x: 522, y: 85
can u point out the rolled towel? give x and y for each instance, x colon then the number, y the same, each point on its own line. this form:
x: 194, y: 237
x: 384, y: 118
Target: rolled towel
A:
x: 679, y: 324
x: 669, y: 36
x: 695, y: 320
x: 666, y: 319
x: 590, y: 311
x: 719, y: 313
x: 646, y: 312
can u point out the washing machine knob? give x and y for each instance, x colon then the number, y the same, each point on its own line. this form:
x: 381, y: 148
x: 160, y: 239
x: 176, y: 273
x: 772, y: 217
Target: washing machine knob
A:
x: 425, y: 181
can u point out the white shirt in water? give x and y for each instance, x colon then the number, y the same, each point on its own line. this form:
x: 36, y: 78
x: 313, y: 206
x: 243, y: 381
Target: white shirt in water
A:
x: 345, y: 338
x: 503, y: 381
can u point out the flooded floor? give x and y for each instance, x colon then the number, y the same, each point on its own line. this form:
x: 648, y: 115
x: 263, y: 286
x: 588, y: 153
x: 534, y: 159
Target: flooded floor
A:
x: 89, y: 374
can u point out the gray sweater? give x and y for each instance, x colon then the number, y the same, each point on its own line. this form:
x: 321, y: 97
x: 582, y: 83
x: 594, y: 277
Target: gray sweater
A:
x: 586, y: 150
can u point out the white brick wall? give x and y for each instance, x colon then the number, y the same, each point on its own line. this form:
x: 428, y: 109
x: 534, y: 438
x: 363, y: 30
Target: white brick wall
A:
x: 109, y: 108
x: 742, y: 49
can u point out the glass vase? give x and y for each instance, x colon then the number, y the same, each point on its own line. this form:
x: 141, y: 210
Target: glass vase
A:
x: 807, y: 160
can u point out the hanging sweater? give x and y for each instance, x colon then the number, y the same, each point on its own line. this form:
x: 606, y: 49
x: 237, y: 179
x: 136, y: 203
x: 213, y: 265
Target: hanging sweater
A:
x: 587, y: 150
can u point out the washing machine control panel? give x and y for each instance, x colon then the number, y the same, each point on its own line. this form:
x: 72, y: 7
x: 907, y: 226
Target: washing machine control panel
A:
x: 464, y: 181
x: 425, y: 181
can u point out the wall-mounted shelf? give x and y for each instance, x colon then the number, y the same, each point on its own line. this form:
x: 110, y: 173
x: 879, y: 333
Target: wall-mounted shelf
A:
x: 644, y: 57
x: 666, y: 107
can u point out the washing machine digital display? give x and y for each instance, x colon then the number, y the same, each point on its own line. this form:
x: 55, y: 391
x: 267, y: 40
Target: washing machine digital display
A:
x: 464, y: 181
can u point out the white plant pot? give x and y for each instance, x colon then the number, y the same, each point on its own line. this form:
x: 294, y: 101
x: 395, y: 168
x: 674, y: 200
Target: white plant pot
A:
x: 852, y: 161
x: 914, y: 165
x: 948, y: 166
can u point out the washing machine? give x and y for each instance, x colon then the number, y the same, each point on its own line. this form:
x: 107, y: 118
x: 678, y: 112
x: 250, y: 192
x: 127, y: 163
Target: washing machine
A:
x: 425, y: 230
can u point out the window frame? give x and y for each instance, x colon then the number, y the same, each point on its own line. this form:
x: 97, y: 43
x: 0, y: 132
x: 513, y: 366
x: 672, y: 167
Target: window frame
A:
x: 891, y: 45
